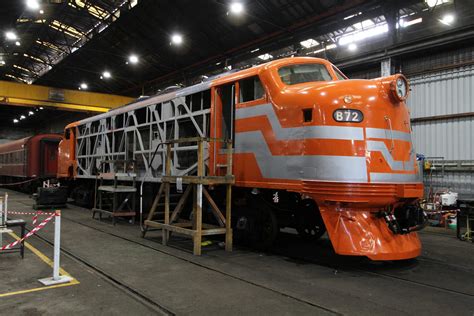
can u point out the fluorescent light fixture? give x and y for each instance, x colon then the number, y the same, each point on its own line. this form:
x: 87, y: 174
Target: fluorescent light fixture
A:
x: 11, y: 36
x: 255, y: 50
x: 265, y: 57
x: 22, y: 117
x: 15, y: 121
x: 177, y: 39
x: 236, y: 7
x: 330, y: 46
x: 17, y: 43
x: 412, y: 22
x: 447, y: 19
x: 364, y: 24
x: 359, y: 36
x: 309, y: 43
x: 133, y: 59
x: 106, y: 74
x: 32, y: 4
x: 83, y: 86
x: 30, y: 113
x: 352, y: 47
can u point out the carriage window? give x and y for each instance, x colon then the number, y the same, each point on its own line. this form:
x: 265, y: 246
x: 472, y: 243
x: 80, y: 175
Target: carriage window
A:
x: 251, y: 89
x: 295, y: 74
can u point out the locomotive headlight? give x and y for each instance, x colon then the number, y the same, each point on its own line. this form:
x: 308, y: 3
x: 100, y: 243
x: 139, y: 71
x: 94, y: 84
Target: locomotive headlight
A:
x: 400, y: 88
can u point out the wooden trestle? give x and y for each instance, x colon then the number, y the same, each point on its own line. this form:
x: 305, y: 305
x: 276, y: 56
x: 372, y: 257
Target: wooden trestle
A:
x: 195, y: 187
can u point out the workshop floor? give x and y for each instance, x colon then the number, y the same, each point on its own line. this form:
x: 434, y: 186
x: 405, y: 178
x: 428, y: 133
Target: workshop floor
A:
x: 115, y: 271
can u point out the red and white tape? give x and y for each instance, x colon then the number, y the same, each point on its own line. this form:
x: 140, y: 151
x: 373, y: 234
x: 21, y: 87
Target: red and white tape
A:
x: 35, y: 214
x: 31, y: 232
x: 31, y: 213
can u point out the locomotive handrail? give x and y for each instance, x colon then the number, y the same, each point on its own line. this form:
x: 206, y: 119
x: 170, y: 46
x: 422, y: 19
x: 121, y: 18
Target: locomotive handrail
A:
x: 196, y: 139
x: 391, y: 132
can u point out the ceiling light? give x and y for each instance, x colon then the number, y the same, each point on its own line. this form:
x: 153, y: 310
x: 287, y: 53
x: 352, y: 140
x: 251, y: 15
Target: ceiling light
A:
x: 17, y: 43
x: 133, y: 59
x: 32, y: 4
x: 431, y: 3
x: 265, y: 56
x: 41, y: 11
x: 448, y: 19
x: 11, y: 36
x: 309, y: 43
x: 236, y: 7
x: 2, y: 62
x: 106, y: 74
x: 83, y: 86
x: 15, y: 121
x: 177, y: 39
x: 30, y: 113
x: 22, y: 117
x: 361, y: 35
x: 41, y: 108
x: 352, y: 47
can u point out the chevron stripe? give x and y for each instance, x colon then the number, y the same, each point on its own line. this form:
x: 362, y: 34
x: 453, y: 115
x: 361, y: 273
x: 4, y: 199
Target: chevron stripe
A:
x: 314, y: 167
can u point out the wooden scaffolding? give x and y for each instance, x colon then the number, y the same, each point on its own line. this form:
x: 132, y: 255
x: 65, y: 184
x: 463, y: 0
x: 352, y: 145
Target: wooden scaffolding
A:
x: 195, y: 187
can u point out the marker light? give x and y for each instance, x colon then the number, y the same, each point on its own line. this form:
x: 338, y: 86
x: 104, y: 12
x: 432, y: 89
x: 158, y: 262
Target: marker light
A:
x: 399, y: 88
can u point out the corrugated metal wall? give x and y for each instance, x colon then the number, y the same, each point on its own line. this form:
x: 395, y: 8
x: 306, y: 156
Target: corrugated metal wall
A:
x: 442, y: 93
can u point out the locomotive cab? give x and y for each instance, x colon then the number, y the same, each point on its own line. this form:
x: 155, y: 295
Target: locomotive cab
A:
x: 343, y: 144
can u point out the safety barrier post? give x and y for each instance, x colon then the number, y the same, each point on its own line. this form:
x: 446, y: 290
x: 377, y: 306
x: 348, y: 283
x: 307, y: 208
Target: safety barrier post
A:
x: 56, y: 279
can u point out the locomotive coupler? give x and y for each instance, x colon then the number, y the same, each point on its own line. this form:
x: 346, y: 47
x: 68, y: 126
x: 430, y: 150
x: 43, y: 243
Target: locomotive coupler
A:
x: 405, y: 219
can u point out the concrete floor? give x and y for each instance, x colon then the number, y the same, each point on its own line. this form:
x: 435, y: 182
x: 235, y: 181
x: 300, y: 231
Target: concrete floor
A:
x: 121, y: 273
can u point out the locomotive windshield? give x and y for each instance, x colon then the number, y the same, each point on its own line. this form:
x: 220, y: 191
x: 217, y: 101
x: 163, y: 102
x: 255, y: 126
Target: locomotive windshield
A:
x: 295, y: 74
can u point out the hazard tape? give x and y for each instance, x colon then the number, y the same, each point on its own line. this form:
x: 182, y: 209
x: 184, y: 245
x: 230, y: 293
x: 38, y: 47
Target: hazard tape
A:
x: 31, y: 213
x: 35, y: 214
x: 30, y: 233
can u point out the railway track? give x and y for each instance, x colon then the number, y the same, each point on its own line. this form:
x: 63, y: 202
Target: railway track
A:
x: 152, y: 304
x: 158, y: 307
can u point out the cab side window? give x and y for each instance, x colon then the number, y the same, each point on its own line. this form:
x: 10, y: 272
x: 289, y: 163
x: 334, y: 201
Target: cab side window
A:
x: 67, y: 134
x: 251, y: 89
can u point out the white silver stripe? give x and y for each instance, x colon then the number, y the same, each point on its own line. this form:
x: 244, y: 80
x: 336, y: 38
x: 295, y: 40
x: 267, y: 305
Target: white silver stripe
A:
x: 396, y: 165
x: 304, y: 132
x: 387, y: 134
x: 394, y: 177
x: 315, y: 167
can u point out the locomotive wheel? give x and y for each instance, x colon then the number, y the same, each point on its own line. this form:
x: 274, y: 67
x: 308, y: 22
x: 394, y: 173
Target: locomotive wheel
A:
x: 266, y: 227
x: 309, y: 223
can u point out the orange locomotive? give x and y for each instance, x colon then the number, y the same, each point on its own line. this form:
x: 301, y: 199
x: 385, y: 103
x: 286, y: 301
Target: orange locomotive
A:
x: 312, y: 150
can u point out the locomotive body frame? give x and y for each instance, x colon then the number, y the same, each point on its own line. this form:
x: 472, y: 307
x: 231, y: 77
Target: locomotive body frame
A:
x: 286, y: 141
